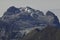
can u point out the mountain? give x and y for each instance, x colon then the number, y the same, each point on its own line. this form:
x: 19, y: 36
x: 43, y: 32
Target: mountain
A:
x: 57, y: 12
x: 18, y: 22
x: 23, y: 17
x: 12, y: 10
x: 53, y: 17
x: 49, y: 33
x: 30, y: 16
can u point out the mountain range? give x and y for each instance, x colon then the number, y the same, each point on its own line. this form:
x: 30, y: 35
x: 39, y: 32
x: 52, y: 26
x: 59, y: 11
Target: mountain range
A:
x: 16, y: 23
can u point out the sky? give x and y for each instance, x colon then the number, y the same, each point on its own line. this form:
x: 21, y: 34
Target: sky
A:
x: 43, y: 5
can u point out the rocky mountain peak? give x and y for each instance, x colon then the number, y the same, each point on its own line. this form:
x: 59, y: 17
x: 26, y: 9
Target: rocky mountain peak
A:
x: 17, y: 22
x: 12, y: 10
x: 50, y: 13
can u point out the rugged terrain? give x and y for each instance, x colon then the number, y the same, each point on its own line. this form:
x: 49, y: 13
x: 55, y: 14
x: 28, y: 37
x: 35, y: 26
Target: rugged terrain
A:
x: 49, y: 33
x: 16, y: 23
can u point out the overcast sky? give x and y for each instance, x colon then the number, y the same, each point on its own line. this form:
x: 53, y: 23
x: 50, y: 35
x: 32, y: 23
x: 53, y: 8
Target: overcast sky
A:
x: 43, y: 5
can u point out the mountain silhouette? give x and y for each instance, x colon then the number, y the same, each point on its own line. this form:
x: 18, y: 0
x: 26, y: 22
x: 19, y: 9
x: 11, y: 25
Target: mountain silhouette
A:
x: 55, y: 20
x: 18, y: 22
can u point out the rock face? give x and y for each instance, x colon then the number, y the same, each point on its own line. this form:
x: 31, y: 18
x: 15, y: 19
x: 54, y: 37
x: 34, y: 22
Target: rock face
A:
x: 17, y: 22
x: 12, y: 10
x: 54, y: 21
x: 49, y: 33
x: 24, y: 17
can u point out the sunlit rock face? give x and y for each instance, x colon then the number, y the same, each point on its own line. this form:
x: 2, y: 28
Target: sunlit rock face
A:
x: 24, y: 19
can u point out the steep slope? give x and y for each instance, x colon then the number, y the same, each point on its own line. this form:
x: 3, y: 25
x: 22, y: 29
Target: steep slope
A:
x: 49, y: 33
x: 24, y: 17
x: 17, y: 22
x: 54, y: 21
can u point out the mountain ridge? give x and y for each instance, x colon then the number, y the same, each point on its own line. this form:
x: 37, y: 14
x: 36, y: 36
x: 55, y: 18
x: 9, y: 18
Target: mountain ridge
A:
x: 16, y: 21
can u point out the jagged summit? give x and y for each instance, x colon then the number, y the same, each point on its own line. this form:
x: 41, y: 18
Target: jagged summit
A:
x: 12, y: 10
x: 30, y: 15
x: 53, y: 18
x: 16, y: 22
x: 50, y: 13
x: 27, y: 9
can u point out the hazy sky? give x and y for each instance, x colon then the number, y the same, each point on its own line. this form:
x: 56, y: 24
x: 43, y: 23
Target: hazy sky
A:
x: 36, y: 4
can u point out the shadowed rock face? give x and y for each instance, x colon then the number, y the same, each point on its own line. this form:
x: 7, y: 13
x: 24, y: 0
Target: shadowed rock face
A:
x: 54, y: 20
x: 19, y: 21
x: 23, y: 18
x: 12, y: 10
x: 49, y: 33
x: 30, y: 16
